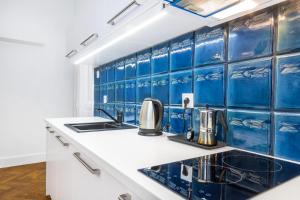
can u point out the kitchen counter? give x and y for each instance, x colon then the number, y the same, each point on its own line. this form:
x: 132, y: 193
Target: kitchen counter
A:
x: 123, y: 152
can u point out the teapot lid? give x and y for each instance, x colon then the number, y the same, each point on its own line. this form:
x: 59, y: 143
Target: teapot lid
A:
x: 207, y: 109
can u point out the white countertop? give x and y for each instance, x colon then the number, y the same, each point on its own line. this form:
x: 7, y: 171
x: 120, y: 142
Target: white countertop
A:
x: 123, y: 152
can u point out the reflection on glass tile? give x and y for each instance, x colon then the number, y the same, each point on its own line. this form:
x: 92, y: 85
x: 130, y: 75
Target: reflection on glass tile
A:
x: 209, y: 86
x: 130, y: 67
x: 249, y: 130
x: 96, y: 94
x: 97, y: 76
x: 160, y: 58
x: 130, y: 114
x: 120, y: 91
x: 209, y: 46
x: 249, y: 84
x: 120, y: 70
x: 103, y: 75
x: 166, y: 122
x: 177, y: 119
x: 287, y: 136
x: 288, y: 82
x: 110, y: 108
x: 181, y: 52
x: 289, y: 27
x: 110, y: 72
x: 251, y: 37
x: 119, y: 107
x: 130, y: 90
x: 137, y: 114
x: 143, y: 89
x: 144, y: 63
x: 103, y: 92
x: 180, y: 82
x: 100, y: 114
x: 160, y: 88
x: 111, y: 92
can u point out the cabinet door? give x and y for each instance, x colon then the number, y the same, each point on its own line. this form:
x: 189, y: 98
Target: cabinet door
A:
x: 58, y: 174
x: 114, y: 190
x: 62, y: 171
x: 92, y: 186
x: 50, y: 166
x: 85, y: 184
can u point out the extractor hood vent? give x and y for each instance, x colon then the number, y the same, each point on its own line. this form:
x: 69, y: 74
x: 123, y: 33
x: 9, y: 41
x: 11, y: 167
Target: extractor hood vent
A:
x: 204, y: 8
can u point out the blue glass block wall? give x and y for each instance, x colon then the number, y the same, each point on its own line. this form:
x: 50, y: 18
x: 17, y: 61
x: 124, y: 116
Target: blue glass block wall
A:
x: 249, y: 68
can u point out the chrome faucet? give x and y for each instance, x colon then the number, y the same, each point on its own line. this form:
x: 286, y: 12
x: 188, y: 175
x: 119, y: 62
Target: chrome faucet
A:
x: 120, y: 116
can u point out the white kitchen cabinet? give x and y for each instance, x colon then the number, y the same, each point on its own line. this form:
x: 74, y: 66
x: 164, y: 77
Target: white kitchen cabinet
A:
x: 57, y: 166
x: 50, y: 163
x: 71, y: 174
x: 95, y: 186
x: 63, y: 166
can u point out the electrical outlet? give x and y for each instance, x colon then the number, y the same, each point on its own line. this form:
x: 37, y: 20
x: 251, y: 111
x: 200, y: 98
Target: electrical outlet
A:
x: 190, y: 96
x: 105, y: 99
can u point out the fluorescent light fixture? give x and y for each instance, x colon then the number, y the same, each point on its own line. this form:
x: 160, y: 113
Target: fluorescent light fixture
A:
x: 128, y: 33
x: 238, y: 8
x: 89, y: 40
x: 71, y: 53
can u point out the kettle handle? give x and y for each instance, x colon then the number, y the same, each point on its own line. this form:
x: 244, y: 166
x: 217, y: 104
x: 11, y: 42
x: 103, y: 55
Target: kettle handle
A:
x: 160, y: 106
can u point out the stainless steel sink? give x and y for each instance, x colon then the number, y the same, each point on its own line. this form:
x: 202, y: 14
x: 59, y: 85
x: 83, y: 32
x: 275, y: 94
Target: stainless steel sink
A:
x: 98, y: 126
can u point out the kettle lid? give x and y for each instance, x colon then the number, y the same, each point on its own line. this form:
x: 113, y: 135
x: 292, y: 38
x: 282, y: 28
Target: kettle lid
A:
x: 149, y: 99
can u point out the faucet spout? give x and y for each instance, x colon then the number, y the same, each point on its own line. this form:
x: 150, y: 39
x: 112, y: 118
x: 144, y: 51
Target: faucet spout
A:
x: 119, y: 120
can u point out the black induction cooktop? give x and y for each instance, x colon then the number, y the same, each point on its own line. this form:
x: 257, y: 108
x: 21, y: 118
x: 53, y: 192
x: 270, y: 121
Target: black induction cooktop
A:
x: 230, y: 175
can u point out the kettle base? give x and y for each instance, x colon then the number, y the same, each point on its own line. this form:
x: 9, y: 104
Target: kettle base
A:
x: 147, y: 132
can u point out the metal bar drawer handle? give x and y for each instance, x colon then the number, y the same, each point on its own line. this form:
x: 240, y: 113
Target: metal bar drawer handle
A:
x: 87, y: 166
x: 62, y: 142
x: 48, y: 129
x: 124, y: 197
x: 112, y: 20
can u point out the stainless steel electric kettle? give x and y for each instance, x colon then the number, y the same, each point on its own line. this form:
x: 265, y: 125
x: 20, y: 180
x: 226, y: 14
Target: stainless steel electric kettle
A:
x: 151, y: 117
x: 208, y: 126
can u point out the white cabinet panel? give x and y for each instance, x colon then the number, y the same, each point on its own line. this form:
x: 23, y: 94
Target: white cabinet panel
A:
x: 50, y: 165
x: 92, y: 186
x: 74, y: 178
x: 63, y: 166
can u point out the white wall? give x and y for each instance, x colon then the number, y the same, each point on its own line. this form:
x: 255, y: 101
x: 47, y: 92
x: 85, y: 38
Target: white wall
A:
x: 84, y: 91
x: 36, y: 81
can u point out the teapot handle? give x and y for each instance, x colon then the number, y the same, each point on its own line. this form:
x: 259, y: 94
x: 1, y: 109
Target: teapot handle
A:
x: 221, y: 117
